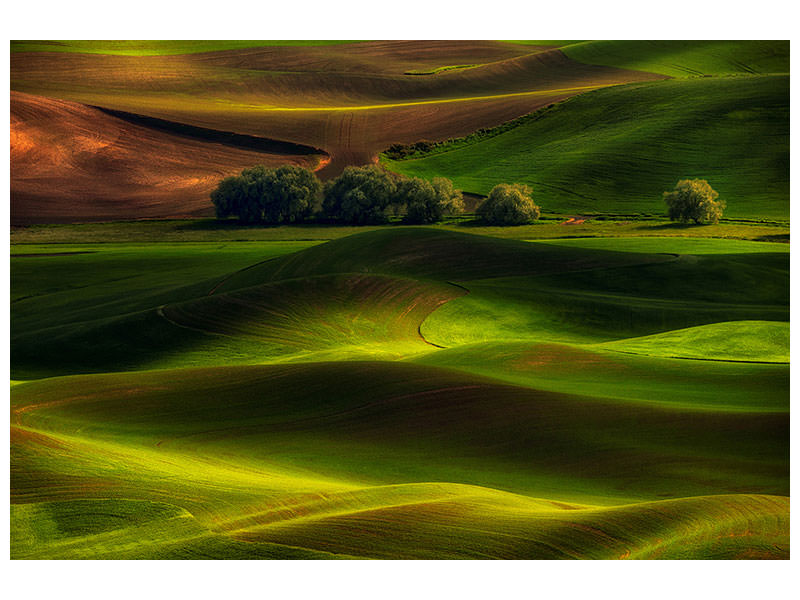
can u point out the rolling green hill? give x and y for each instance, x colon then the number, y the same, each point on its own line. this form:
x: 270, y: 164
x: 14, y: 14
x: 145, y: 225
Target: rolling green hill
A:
x: 685, y: 58
x: 608, y: 386
x: 616, y: 150
x: 296, y: 400
x: 370, y: 294
x: 277, y: 466
x: 758, y: 341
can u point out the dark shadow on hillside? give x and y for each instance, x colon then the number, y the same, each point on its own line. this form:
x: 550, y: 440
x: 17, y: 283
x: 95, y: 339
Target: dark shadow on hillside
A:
x: 226, y: 138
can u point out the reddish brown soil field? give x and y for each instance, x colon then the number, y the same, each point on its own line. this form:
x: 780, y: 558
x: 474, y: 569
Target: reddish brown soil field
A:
x: 353, y: 100
x: 70, y: 162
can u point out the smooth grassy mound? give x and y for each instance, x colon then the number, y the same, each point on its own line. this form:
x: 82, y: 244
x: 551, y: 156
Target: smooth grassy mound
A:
x: 751, y: 341
x: 686, y: 58
x: 323, y: 318
x: 616, y: 150
x: 340, y: 315
x: 309, y: 455
x: 607, y: 304
x: 595, y: 370
x: 427, y: 253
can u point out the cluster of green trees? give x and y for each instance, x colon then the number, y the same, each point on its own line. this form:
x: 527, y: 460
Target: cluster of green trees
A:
x: 273, y: 196
x: 369, y: 196
x: 359, y: 196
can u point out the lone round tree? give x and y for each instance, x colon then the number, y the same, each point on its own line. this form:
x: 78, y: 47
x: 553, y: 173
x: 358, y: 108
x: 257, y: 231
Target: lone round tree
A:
x: 694, y: 200
x: 509, y: 204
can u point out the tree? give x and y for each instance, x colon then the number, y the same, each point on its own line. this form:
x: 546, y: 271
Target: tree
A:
x: 428, y: 201
x: 283, y: 195
x: 232, y: 198
x: 291, y: 193
x: 360, y: 195
x: 450, y: 199
x: 694, y: 200
x: 509, y: 204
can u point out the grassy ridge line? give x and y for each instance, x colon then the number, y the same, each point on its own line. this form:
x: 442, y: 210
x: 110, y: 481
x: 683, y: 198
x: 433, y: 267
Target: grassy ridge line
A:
x: 91, y: 529
x: 440, y: 69
x: 551, y: 43
x: 270, y: 108
x: 616, y: 149
x: 435, y: 254
x: 711, y: 527
x: 157, y: 47
x: 686, y: 58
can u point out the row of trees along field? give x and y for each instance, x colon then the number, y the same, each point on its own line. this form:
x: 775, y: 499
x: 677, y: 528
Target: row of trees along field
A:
x: 369, y: 195
x: 359, y: 196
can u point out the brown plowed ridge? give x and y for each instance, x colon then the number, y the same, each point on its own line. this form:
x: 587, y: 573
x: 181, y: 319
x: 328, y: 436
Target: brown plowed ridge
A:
x: 352, y: 101
x: 70, y: 162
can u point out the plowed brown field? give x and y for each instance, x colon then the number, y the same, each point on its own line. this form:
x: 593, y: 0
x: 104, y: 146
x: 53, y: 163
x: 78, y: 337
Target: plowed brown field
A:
x: 71, y: 162
x: 351, y: 100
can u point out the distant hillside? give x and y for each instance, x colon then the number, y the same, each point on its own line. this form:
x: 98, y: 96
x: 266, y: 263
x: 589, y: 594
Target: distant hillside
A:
x: 617, y: 149
x: 686, y: 58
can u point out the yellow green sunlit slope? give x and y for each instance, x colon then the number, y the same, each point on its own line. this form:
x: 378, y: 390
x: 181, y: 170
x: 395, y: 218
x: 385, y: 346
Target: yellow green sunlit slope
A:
x: 527, y: 402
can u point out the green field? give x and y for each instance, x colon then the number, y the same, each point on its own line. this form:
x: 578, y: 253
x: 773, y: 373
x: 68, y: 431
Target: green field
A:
x: 481, y: 398
x: 689, y: 58
x: 615, y: 150
x: 601, y: 383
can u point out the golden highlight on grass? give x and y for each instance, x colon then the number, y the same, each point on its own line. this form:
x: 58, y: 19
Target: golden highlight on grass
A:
x: 581, y: 88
